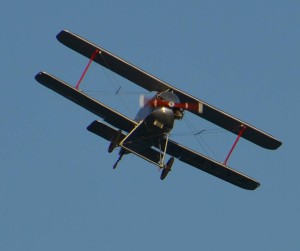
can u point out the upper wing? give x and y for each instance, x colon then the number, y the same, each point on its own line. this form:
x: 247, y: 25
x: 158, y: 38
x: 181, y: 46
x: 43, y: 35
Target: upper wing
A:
x: 210, y: 166
x: 108, y: 114
x: 152, y: 83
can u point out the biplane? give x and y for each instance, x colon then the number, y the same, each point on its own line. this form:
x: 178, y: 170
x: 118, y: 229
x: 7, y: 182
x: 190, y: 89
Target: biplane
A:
x: 147, y: 136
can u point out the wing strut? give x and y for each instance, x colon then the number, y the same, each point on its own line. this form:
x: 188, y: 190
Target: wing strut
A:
x: 87, y: 67
x: 234, y: 144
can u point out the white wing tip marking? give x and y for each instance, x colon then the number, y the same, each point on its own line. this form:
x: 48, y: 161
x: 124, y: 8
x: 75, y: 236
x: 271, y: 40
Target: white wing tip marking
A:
x: 200, y: 107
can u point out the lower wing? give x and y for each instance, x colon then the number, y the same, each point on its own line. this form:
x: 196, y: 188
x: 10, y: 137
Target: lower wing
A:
x: 210, y: 166
x: 122, y: 122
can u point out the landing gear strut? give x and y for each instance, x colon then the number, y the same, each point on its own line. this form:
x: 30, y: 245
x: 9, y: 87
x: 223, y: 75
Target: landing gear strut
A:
x: 113, y: 144
x: 115, y: 141
x: 167, y: 168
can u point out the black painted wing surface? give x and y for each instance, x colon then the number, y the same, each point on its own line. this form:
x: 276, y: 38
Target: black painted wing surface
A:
x: 109, y: 115
x: 122, y: 122
x: 210, y: 166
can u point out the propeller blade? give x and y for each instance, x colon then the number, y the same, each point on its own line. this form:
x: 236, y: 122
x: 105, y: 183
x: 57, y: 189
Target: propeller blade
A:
x: 145, y: 100
x: 195, y: 107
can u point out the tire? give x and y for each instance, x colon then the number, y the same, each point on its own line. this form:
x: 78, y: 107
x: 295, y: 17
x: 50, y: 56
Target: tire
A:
x: 167, y: 168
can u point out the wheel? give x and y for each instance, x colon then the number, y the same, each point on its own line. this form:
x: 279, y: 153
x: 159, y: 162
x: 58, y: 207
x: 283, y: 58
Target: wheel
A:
x: 167, y: 168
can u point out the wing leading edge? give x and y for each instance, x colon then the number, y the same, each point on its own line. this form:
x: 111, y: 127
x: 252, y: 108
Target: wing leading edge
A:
x: 151, y: 83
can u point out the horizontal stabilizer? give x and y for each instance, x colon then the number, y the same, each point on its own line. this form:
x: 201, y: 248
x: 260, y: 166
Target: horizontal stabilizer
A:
x: 108, y: 133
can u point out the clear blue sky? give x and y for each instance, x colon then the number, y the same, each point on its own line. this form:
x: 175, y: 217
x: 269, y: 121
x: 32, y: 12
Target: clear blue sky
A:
x: 57, y: 187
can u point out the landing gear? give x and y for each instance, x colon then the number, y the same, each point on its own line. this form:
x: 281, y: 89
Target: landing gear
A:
x: 113, y: 144
x: 115, y: 141
x: 167, y: 168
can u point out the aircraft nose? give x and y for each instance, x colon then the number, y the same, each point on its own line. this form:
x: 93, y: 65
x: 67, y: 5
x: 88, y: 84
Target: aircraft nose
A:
x: 162, y: 117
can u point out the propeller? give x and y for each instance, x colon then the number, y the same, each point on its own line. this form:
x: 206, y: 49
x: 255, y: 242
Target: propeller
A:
x: 154, y: 102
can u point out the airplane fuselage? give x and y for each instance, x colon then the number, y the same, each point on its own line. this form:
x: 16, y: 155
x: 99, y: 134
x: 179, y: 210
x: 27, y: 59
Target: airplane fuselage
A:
x: 154, y: 123
x: 160, y: 119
